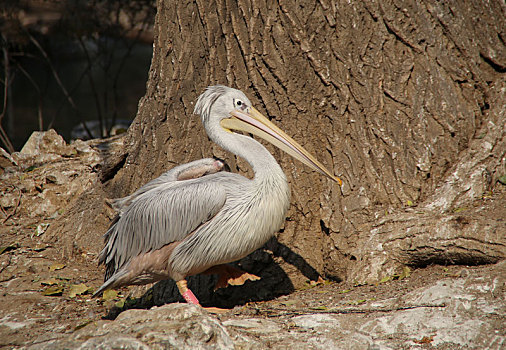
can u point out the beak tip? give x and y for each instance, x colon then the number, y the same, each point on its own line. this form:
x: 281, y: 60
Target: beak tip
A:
x: 338, y: 180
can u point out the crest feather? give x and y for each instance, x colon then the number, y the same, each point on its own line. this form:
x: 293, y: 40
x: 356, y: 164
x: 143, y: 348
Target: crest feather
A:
x: 207, y: 99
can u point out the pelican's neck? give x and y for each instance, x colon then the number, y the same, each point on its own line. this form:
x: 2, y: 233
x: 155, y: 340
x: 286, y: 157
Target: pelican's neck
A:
x: 259, y: 158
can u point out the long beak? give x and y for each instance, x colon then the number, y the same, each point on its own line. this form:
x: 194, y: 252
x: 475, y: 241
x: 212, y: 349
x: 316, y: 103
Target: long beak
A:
x: 255, y: 123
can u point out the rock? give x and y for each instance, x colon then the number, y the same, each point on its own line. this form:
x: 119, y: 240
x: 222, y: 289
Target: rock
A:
x: 43, y: 206
x: 6, y: 160
x: 119, y: 342
x: 50, y: 175
x: 462, y: 311
x: 317, y: 321
x: 465, y: 310
x: 175, y: 326
x: 13, y: 325
x: 46, y: 142
x: 470, y: 317
x: 26, y: 185
x: 8, y: 200
x: 57, y: 178
x: 254, y: 325
x: 82, y: 147
x: 41, y: 148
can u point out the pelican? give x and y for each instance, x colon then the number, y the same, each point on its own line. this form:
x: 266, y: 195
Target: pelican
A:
x: 196, y: 218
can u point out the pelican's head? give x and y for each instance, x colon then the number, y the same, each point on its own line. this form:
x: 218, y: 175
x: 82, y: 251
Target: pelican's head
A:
x: 229, y: 109
x: 219, y: 101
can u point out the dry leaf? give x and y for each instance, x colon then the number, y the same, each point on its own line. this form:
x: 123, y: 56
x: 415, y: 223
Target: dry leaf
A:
x: 385, y: 279
x: 317, y: 282
x: 78, y: 289
x: 110, y: 294
x: 53, y: 291
x: 406, y: 271
x: 49, y: 281
x: 57, y: 266
x: 424, y: 340
x: 82, y: 325
x: 320, y: 308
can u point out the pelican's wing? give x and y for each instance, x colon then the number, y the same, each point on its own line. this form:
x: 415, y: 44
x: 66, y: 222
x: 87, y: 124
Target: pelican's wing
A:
x: 191, y: 170
x: 160, y: 216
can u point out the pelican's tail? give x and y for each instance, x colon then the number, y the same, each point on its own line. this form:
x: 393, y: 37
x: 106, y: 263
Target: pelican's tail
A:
x: 111, y: 282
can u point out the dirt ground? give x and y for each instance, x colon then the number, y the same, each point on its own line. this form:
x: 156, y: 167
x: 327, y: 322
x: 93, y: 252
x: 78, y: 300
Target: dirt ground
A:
x: 45, y: 296
x: 29, y: 268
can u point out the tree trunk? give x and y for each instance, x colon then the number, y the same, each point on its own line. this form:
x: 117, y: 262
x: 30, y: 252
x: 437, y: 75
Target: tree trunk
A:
x: 405, y: 101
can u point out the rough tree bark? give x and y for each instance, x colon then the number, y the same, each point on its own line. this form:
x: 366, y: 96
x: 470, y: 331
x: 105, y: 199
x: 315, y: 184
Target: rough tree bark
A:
x: 405, y: 101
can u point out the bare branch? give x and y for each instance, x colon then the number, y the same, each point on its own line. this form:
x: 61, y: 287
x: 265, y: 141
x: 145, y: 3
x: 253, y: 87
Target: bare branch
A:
x: 3, y: 135
x: 274, y: 311
x: 121, y: 66
x: 72, y: 91
x: 58, y: 80
x: 39, y: 95
x: 93, y: 88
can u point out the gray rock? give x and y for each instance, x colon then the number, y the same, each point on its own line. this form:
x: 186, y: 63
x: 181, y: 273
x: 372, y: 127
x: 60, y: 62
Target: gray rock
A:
x: 471, y: 316
x: 468, y: 319
x: 128, y: 343
x: 46, y: 142
x: 8, y: 200
x: 56, y: 178
x: 318, y: 321
x: 82, y: 147
x: 254, y: 325
x: 6, y: 160
x: 175, y: 326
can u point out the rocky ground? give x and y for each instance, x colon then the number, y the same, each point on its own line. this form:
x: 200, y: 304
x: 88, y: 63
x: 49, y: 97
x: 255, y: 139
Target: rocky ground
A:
x: 46, y: 303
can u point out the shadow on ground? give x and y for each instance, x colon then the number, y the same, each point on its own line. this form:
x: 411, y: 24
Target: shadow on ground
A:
x: 274, y: 282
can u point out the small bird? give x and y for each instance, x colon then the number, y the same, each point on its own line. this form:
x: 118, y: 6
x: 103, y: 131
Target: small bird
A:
x: 196, y: 218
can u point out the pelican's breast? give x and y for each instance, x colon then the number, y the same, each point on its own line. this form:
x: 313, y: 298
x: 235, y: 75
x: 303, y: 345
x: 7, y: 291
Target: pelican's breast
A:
x: 254, y: 211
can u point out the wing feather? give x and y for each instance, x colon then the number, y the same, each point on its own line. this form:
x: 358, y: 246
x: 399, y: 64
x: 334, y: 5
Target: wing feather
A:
x: 194, y: 169
x: 159, y: 216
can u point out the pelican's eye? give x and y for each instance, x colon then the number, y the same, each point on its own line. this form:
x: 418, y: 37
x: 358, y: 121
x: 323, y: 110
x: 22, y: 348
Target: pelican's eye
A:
x: 239, y: 104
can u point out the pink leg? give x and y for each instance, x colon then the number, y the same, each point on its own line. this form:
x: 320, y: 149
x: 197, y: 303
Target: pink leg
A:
x: 191, y: 299
x: 187, y: 293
